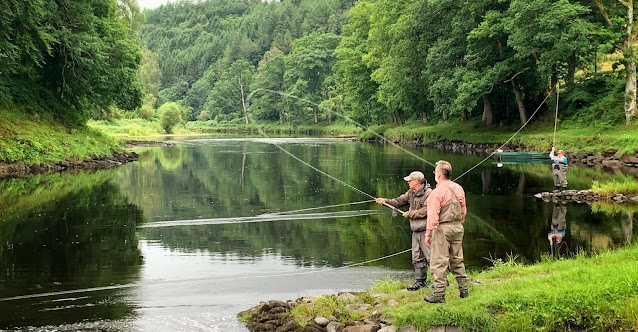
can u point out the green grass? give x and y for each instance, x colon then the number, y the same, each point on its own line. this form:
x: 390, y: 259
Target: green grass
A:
x: 626, y: 187
x: 36, y: 138
x: 598, y: 292
x: 535, y: 137
x: 141, y: 127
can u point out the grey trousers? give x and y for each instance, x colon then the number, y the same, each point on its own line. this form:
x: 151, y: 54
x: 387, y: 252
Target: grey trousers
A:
x: 420, y: 256
x: 560, y: 177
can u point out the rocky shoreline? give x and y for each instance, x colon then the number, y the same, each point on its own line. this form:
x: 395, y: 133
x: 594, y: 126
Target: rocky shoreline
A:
x: 610, y: 158
x: 96, y: 163
x: 276, y: 316
x: 585, y: 196
x: 134, y: 143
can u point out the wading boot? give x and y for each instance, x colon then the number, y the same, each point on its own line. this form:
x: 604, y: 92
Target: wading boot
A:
x: 464, y: 294
x: 417, y: 285
x: 435, y: 298
x: 556, y: 190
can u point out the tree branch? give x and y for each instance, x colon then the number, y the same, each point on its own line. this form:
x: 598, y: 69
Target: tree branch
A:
x: 520, y: 72
x: 603, y: 12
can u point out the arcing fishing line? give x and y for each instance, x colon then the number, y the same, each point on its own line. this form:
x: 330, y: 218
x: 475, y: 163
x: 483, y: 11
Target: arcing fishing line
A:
x: 340, y: 115
x: 259, y: 218
x: 516, y: 133
x: 323, y: 207
x: 113, y: 287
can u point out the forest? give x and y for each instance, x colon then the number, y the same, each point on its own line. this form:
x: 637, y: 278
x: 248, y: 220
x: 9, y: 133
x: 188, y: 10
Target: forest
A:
x: 314, y: 62
x: 390, y: 61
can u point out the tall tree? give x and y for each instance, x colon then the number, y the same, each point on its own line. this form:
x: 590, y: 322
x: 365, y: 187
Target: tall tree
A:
x: 228, y: 96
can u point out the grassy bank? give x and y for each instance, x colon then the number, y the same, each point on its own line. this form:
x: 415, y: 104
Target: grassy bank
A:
x: 598, y: 293
x: 33, y: 138
x: 535, y: 137
x: 141, y: 127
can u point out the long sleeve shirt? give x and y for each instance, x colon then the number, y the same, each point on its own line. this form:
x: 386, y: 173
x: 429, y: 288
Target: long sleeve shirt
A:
x: 440, y: 197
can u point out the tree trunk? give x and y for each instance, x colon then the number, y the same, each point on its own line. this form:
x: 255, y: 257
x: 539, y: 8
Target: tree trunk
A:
x: 630, y: 85
x: 425, y: 117
x: 519, y: 101
x: 329, y: 117
x: 281, y: 116
x: 445, y: 116
x: 243, y: 101
x: 487, y: 111
x: 571, y: 70
x: 464, y: 115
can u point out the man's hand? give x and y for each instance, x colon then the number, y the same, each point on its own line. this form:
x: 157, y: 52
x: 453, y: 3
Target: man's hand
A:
x: 406, y: 214
x: 380, y: 200
x: 428, y: 241
x: 552, y: 149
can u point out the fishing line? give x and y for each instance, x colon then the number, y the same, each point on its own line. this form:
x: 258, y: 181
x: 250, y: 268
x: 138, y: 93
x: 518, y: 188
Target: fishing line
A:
x: 137, y: 284
x: 340, y: 115
x: 323, y: 207
x: 512, y: 137
x: 259, y: 218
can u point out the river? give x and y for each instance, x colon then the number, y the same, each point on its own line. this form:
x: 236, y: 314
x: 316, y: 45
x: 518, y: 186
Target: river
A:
x: 189, y: 235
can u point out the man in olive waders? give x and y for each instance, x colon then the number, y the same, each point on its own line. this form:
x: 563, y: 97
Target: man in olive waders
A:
x: 415, y: 196
x: 559, y: 170
x: 444, y: 234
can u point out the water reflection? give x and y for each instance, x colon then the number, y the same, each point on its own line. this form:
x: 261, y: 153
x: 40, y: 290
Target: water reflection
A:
x: 80, y: 234
x: 558, y: 229
x: 78, y: 231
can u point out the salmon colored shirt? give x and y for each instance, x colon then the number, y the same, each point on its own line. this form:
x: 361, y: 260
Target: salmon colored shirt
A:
x: 442, y: 196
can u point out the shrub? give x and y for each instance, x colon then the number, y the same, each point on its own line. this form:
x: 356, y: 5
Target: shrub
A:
x: 170, y: 115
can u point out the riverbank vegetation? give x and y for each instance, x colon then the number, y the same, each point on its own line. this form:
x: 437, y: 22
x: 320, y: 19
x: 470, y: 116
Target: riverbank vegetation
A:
x: 475, y: 73
x: 391, y: 62
x: 40, y: 138
x: 596, y: 292
x: 64, y: 62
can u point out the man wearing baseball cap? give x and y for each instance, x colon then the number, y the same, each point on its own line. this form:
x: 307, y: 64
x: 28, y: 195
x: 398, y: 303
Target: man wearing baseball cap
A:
x: 415, y: 197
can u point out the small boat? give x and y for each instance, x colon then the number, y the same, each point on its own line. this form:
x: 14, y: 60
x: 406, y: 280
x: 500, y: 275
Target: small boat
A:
x: 512, y: 156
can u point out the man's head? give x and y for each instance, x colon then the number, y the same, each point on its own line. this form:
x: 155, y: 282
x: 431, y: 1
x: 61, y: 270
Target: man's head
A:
x: 561, y: 152
x: 442, y: 171
x: 415, y: 180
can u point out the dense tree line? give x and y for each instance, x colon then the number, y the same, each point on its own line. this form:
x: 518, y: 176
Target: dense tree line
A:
x: 386, y: 61
x: 73, y: 58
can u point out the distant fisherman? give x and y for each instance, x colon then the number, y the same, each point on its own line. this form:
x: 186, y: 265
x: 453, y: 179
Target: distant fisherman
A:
x: 559, y: 170
x: 416, y: 197
x: 444, y: 235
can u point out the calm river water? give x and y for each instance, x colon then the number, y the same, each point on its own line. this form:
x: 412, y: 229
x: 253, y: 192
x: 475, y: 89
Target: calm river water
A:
x: 170, y: 243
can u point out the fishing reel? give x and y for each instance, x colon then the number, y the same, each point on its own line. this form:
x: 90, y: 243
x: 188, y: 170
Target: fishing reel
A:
x: 394, y: 212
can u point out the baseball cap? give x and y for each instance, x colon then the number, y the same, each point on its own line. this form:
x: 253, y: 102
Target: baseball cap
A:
x: 416, y: 175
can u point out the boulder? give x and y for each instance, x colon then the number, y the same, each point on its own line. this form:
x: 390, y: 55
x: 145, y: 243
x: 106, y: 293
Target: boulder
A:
x: 335, y: 327
x: 321, y: 321
x: 362, y: 328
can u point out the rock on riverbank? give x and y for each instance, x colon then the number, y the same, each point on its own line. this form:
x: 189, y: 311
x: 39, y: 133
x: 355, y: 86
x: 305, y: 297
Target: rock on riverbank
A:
x: 610, y: 158
x: 585, y: 196
x: 95, y: 163
x: 276, y: 316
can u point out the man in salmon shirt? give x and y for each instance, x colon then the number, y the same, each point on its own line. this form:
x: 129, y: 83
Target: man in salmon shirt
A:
x: 444, y: 233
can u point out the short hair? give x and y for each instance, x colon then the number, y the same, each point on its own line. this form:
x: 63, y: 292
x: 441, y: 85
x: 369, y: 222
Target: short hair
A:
x: 445, y: 168
x: 561, y: 151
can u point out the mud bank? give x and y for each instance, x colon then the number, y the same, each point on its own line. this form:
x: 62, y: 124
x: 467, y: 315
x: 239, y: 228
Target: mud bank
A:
x: 97, y: 163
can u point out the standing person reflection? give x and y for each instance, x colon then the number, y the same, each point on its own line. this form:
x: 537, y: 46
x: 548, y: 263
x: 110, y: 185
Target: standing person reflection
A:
x: 558, y: 227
